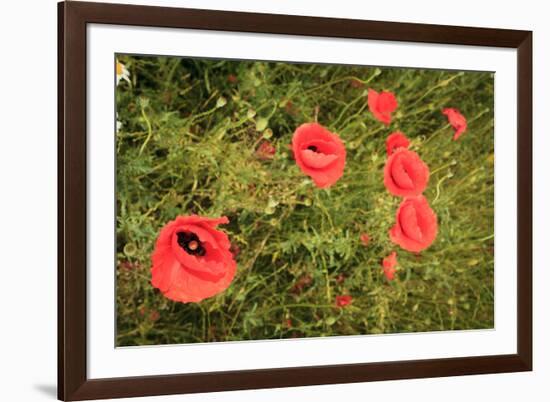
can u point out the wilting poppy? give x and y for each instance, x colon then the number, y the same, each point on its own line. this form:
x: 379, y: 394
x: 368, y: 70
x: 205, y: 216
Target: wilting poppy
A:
x: 457, y: 121
x: 343, y: 300
x: 266, y: 150
x: 192, y: 259
x: 365, y: 239
x: 388, y: 265
x: 415, y: 226
x: 395, y: 141
x: 405, y: 174
x: 319, y: 153
x: 382, y: 105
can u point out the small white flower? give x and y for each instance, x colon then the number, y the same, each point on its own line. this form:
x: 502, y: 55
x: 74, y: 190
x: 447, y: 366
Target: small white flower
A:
x: 118, y: 124
x: 122, y: 73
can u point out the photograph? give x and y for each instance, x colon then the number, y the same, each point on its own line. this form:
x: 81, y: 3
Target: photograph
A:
x: 263, y: 200
x: 275, y: 201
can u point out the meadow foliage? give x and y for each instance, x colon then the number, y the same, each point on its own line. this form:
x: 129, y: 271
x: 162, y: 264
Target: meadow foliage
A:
x: 214, y: 138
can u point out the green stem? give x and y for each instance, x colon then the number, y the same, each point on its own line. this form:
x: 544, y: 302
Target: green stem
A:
x: 149, y: 129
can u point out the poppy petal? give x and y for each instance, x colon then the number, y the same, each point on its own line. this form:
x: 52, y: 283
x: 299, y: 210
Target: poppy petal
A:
x: 319, y: 153
x: 382, y: 105
x: 405, y: 174
x: 186, y: 275
x: 396, y: 140
x: 457, y: 121
x: 317, y: 160
x: 416, y: 225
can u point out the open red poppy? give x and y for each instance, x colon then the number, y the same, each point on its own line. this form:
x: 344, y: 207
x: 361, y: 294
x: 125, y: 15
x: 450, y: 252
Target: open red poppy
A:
x: 319, y: 153
x: 405, y: 174
x: 415, y: 226
x: 192, y: 259
x: 457, y: 121
x: 382, y: 105
x: 395, y: 141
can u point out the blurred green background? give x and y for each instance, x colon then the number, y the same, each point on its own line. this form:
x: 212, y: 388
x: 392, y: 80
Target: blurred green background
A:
x: 187, y: 143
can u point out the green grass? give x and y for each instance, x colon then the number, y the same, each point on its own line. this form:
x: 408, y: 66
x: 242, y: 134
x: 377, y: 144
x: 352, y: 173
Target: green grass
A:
x: 187, y: 144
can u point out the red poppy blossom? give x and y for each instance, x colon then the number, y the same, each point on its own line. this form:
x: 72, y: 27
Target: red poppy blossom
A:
x: 340, y: 278
x: 415, y: 226
x: 382, y: 105
x: 365, y: 239
x: 405, y: 174
x: 266, y: 151
x: 395, y: 141
x: 235, y: 250
x: 302, y: 282
x: 319, y: 153
x: 192, y: 259
x: 154, y: 316
x: 127, y: 265
x: 457, y: 121
x: 388, y: 264
x: 343, y: 300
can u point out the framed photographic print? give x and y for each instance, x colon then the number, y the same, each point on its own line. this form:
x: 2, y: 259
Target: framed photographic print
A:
x: 252, y: 200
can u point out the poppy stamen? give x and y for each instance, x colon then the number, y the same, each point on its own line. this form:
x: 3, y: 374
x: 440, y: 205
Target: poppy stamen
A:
x: 190, y: 243
x: 312, y: 148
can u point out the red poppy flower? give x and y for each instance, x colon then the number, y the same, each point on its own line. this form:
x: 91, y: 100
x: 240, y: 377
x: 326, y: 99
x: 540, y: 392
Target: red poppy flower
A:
x: 340, y: 278
x: 382, y: 105
x: 388, y: 264
x: 304, y: 281
x: 192, y: 259
x: 154, y: 316
x: 343, y: 300
x: 364, y: 239
x: 396, y: 140
x: 266, y: 151
x: 457, y: 120
x: 415, y: 226
x: 235, y: 250
x: 128, y: 265
x: 319, y: 153
x: 405, y: 174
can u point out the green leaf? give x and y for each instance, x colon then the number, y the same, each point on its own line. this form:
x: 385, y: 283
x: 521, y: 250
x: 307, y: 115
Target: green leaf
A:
x: 261, y: 124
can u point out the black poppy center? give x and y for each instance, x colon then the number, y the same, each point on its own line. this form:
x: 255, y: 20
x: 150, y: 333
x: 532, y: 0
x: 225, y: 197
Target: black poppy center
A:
x: 312, y: 148
x: 190, y: 243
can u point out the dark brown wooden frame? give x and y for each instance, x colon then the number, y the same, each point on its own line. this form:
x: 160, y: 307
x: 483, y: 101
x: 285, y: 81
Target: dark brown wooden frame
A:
x: 73, y: 17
